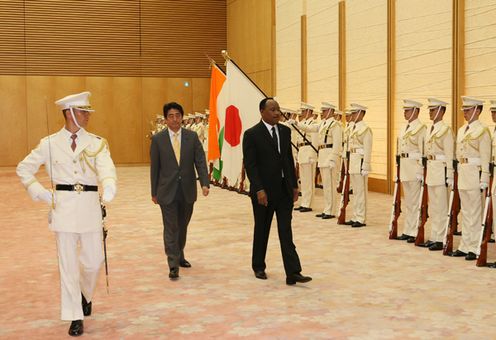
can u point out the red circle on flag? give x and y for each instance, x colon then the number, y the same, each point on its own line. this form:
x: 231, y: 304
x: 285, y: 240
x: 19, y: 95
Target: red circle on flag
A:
x: 232, y: 126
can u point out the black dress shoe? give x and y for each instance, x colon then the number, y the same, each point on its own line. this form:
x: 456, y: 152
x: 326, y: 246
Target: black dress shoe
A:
x: 403, y: 237
x: 436, y: 246
x: 184, y: 264
x: 470, y: 256
x: 411, y: 239
x: 305, y: 209
x: 327, y: 217
x: 174, y: 273
x: 492, y: 265
x: 297, y: 208
x: 292, y: 279
x: 457, y: 253
x: 86, y: 306
x: 320, y: 215
x: 491, y: 241
x: 358, y: 225
x: 261, y: 275
x: 350, y: 222
x: 76, y: 328
x: 427, y: 244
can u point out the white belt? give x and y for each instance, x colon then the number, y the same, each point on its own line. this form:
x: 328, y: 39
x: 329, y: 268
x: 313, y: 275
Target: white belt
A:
x: 436, y: 157
x: 357, y: 150
x: 470, y: 160
x: 412, y: 155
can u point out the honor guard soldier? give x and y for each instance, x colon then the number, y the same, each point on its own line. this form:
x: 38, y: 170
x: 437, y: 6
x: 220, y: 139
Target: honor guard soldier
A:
x: 76, y: 161
x: 439, y: 144
x: 473, y: 149
x: 411, y: 150
x: 493, y: 160
x: 360, y: 147
x: 307, y: 158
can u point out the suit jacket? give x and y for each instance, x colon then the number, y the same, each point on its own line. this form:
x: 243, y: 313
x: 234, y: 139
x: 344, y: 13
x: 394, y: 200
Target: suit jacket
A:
x: 166, y: 175
x: 265, y: 165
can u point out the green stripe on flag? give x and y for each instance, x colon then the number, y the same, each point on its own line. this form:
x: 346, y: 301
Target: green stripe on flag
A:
x: 217, y: 170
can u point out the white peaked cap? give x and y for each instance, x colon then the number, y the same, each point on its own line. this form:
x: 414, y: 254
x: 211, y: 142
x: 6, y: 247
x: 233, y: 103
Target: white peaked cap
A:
x: 337, y: 112
x: 326, y: 105
x: 357, y: 107
x: 493, y: 105
x: 410, y: 104
x: 77, y: 101
x: 306, y: 106
x: 348, y: 112
x: 469, y: 102
x: 433, y: 102
x: 287, y: 110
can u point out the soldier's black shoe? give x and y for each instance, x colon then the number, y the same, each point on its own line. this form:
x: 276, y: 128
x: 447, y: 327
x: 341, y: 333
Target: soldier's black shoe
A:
x: 403, y: 237
x: 457, y: 253
x: 305, y: 209
x: 297, y: 208
x: 292, y: 279
x: 350, y: 222
x: 358, y: 225
x: 184, y: 264
x: 86, y: 306
x: 320, y: 215
x: 470, y: 256
x: 436, y: 246
x: 491, y: 240
x: 76, y: 328
x: 492, y: 265
x: 427, y: 244
x: 174, y: 273
x: 411, y: 239
x: 326, y: 217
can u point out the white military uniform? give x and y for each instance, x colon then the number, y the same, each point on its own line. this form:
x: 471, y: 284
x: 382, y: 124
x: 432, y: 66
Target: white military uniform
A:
x: 77, y: 216
x: 473, y: 147
x: 360, y: 146
x: 307, y: 160
x: 439, y: 143
x: 411, y: 143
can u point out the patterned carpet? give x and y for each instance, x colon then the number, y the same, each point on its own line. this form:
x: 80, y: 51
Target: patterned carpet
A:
x: 364, y: 286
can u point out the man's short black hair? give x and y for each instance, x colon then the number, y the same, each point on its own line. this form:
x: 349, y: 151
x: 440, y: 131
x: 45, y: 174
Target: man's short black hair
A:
x: 261, y: 106
x: 173, y: 105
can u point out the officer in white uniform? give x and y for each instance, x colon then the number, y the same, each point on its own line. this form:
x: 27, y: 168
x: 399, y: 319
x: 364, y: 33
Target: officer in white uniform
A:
x: 473, y: 149
x: 76, y: 161
x: 360, y: 146
x: 493, y: 160
x: 411, y: 147
x: 439, y: 148
x: 307, y: 157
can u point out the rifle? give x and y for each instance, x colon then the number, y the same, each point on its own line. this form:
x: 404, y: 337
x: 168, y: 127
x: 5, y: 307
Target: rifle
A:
x: 396, y: 208
x: 454, y: 209
x: 105, y: 232
x: 342, y: 176
x: 345, y: 192
x: 487, y: 223
x: 422, y: 214
x: 301, y: 134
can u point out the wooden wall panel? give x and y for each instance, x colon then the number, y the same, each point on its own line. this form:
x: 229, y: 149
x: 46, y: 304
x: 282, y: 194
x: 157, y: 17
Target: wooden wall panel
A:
x: 201, y: 94
x: 13, y: 134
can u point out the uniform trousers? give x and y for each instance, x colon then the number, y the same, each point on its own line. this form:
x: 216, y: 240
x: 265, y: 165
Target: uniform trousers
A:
x: 329, y: 188
x: 438, y: 211
x: 471, y: 209
x: 360, y: 190
x: 307, y: 180
x: 78, y: 270
x: 412, y: 205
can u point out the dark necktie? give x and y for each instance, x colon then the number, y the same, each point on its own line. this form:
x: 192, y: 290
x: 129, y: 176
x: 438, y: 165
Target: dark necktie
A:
x: 407, y: 126
x: 274, y: 138
x: 73, y: 145
x: 432, y: 129
x: 466, y: 129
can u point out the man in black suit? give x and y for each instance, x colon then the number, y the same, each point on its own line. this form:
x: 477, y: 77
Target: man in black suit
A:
x: 174, y: 155
x: 270, y: 168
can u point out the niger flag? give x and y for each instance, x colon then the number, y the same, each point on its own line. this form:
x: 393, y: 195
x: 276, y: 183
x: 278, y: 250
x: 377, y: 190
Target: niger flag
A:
x: 215, y: 134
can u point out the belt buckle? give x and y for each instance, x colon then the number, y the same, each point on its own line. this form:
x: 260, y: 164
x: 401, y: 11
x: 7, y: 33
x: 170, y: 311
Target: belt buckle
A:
x: 78, y: 187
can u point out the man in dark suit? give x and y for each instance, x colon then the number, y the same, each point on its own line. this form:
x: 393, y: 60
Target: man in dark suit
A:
x: 270, y: 168
x: 174, y: 155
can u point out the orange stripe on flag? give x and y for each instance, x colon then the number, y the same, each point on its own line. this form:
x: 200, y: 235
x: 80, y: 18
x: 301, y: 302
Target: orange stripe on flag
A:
x: 216, y: 82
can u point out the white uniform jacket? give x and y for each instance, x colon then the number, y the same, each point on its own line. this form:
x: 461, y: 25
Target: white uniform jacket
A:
x: 411, y: 150
x: 360, y: 145
x: 439, y: 145
x: 306, y: 154
x: 89, y: 164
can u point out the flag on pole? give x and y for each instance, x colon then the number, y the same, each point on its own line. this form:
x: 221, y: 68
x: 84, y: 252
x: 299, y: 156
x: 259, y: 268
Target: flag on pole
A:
x: 215, y: 131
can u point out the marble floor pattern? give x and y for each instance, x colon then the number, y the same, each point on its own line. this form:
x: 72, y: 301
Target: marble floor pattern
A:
x: 364, y: 285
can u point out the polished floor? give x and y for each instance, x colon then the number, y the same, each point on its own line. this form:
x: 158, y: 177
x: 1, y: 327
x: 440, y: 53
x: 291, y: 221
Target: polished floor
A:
x: 364, y: 285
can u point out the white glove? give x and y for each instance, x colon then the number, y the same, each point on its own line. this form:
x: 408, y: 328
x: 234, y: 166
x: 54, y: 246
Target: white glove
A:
x: 108, y: 193
x: 483, y: 185
x: 46, y: 196
x: 419, y: 177
x: 291, y: 121
x: 332, y: 164
x: 450, y: 181
x: 364, y: 173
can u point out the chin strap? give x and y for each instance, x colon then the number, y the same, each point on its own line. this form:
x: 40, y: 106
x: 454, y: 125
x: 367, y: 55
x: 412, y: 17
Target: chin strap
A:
x: 74, y: 117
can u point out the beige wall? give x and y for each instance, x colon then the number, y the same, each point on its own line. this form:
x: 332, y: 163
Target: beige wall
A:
x: 124, y: 108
